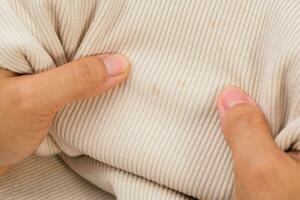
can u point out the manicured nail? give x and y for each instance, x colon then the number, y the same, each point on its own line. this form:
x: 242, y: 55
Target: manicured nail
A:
x: 233, y: 96
x: 115, y: 64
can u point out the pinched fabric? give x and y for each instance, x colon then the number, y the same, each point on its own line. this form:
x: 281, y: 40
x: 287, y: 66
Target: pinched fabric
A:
x: 157, y: 135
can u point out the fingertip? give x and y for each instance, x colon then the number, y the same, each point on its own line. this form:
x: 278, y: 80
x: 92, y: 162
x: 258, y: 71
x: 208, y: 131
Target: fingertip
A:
x: 223, y: 95
x: 115, y: 64
x: 117, y: 69
x: 230, y: 97
x: 220, y: 106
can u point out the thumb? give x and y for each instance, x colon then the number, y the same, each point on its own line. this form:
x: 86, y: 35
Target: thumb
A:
x: 245, y: 127
x: 81, y: 78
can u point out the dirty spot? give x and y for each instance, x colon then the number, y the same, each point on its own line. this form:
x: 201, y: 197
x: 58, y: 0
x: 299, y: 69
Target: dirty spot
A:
x: 156, y: 90
x: 180, y: 83
x: 212, y: 23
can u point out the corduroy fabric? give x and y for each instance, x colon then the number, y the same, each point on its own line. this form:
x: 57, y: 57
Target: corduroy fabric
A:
x: 161, y: 126
x: 47, y: 178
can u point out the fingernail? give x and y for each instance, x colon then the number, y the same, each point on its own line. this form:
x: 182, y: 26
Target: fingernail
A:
x: 233, y: 96
x: 115, y: 64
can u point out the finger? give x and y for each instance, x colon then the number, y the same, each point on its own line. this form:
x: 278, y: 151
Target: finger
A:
x: 295, y: 155
x: 245, y: 127
x: 82, y: 78
x: 4, y: 169
x: 6, y: 73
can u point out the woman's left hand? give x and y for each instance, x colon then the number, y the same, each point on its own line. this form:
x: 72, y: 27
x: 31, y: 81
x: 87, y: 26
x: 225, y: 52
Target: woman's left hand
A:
x: 29, y: 103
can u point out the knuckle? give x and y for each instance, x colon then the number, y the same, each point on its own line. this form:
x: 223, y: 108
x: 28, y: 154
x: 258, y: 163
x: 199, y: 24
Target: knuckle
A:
x: 262, y: 170
x: 22, y: 96
x: 89, y: 72
x: 260, y: 167
x: 22, y: 100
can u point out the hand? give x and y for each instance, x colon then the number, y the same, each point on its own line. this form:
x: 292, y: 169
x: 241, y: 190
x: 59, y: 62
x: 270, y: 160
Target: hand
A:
x: 262, y: 171
x: 29, y: 103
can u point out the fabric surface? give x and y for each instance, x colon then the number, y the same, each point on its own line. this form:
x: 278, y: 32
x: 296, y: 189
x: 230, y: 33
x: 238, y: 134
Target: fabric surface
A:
x: 47, y: 178
x: 158, y: 133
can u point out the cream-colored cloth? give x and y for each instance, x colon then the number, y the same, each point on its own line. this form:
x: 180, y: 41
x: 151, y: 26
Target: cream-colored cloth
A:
x: 47, y: 178
x: 157, y: 136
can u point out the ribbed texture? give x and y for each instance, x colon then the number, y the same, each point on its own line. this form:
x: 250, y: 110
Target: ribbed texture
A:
x: 121, y: 184
x: 162, y: 124
x: 47, y: 178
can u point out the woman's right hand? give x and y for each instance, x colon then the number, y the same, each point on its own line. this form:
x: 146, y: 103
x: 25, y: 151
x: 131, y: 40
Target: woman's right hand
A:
x: 28, y: 103
x: 261, y: 170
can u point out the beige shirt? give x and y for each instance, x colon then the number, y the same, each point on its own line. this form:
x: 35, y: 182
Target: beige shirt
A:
x: 157, y: 136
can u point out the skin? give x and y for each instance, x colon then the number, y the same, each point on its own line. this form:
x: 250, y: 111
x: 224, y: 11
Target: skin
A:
x: 262, y: 171
x: 28, y: 103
